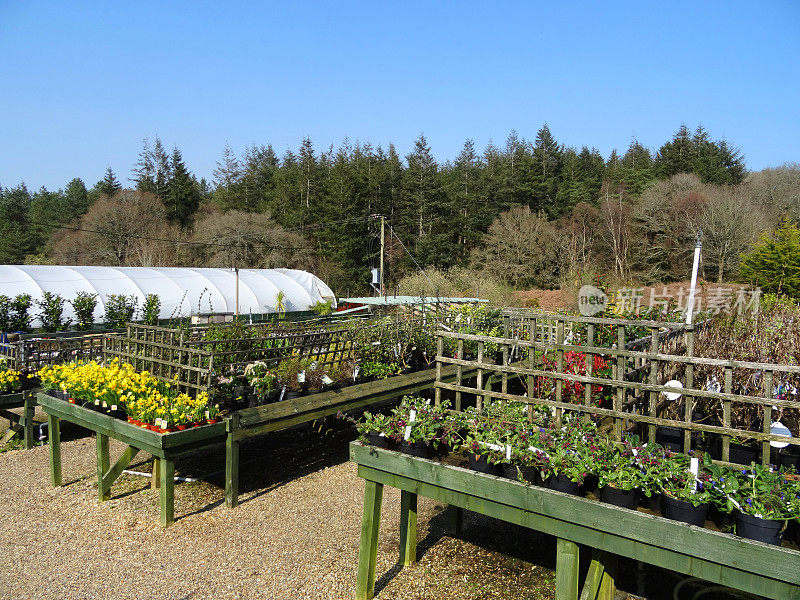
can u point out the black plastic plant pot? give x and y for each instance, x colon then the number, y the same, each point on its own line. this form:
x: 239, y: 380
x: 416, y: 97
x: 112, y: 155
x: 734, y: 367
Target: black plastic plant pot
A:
x: 376, y: 439
x: 790, y: 457
x: 418, y: 449
x: 479, y: 463
x: 529, y: 474
x: 743, y: 455
x: 761, y: 530
x: 618, y: 497
x: 562, y: 483
x: 686, y: 512
x: 670, y: 438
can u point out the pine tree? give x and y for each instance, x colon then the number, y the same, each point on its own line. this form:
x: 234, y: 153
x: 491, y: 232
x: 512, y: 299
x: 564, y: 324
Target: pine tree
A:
x: 144, y: 172
x: 547, y: 161
x: 774, y: 263
x: 183, y: 196
x: 162, y: 170
x: 108, y: 186
x: 227, y: 176
x: 76, y: 199
x: 677, y: 155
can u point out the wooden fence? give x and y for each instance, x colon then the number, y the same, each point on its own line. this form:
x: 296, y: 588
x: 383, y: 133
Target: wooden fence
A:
x: 31, y: 355
x: 725, y: 398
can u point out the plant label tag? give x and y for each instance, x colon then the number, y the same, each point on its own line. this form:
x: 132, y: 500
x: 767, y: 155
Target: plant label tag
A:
x: 283, y: 393
x: 356, y: 369
x: 508, y: 452
x: 326, y: 380
x: 407, y: 434
x: 412, y: 416
x: 694, y: 469
x: 301, y: 377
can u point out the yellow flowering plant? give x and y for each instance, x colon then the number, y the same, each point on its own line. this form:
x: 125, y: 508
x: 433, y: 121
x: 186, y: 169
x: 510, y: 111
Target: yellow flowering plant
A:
x: 148, y: 401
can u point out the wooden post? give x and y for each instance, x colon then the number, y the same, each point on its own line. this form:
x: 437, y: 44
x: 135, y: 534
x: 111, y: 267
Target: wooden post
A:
x: 479, y: 399
x: 155, y: 475
x: 455, y: 518
x: 531, y: 365
x: 408, y: 528
x: 652, y: 379
x: 439, y: 352
x: 619, y: 397
x: 566, y: 570
x: 459, y: 373
x: 167, y: 476
x: 54, y: 438
x: 726, y: 413
x: 688, y: 401
x: 589, y: 364
x: 608, y: 588
x: 765, y: 446
x: 232, y: 463
x: 103, y: 464
x: 29, y: 405
x: 368, y: 545
x: 559, y: 368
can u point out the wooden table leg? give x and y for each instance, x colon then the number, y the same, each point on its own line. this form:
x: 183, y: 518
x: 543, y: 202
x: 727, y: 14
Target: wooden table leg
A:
x: 608, y: 588
x: 155, y: 476
x: 103, y: 464
x: 28, y: 412
x: 455, y: 518
x: 167, y: 476
x: 408, y: 528
x: 566, y: 570
x: 232, y: 466
x: 54, y: 439
x: 368, y: 548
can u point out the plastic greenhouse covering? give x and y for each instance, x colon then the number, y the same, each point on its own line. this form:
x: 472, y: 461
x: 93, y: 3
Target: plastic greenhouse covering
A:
x: 182, y: 291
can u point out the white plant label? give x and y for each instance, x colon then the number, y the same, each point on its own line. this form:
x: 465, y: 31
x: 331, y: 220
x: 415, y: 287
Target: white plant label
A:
x: 283, y: 393
x: 508, y: 452
x: 326, y: 380
x: 412, y: 416
x: 694, y: 469
x: 356, y: 369
x: 407, y: 434
x: 301, y: 377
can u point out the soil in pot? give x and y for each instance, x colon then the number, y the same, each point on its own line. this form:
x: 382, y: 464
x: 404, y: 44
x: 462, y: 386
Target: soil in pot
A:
x: 686, y: 512
x: 617, y: 497
x: 562, y: 483
x: 479, y: 463
x: 529, y: 474
x: 762, y: 530
x: 418, y: 449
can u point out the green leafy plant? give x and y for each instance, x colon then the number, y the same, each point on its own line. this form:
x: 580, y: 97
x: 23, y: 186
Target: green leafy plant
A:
x: 84, y: 304
x: 379, y: 370
x: 51, y: 312
x: 19, y: 319
x: 120, y: 309
x: 151, y: 309
x: 322, y: 308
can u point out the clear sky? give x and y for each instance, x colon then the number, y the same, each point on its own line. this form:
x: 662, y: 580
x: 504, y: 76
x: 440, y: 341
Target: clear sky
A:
x: 83, y: 83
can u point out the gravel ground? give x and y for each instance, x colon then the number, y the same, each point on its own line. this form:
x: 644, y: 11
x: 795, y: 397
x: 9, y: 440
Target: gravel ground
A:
x: 295, y: 534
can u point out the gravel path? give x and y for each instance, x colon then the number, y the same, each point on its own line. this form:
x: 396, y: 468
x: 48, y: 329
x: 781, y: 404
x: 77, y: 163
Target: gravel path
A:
x: 295, y: 534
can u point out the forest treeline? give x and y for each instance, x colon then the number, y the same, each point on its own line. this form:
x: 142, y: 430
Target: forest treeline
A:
x: 529, y: 213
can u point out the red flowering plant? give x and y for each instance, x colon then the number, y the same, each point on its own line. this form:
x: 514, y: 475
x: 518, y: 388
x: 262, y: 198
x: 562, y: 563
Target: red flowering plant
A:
x: 573, y: 391
x: 432, y: 424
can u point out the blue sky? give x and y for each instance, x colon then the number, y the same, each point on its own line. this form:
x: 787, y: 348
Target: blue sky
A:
x: 84, y: 83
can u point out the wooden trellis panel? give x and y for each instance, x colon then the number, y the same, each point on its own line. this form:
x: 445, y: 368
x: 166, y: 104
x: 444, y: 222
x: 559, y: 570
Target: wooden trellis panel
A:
x: 636, y: 384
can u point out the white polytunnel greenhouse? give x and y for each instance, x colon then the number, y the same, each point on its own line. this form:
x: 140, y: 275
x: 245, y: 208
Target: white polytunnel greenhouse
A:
x: 182, y: 291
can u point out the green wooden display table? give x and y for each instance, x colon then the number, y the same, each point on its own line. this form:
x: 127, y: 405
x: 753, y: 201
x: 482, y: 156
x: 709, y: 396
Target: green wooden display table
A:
x: 280, y: 415
x: 164, y: 447
x: 19, y: 424
x: 724, y: 559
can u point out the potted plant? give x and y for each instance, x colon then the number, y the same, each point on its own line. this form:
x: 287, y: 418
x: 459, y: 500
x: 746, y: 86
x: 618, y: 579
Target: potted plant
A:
x: 375, y: 429
x: 686, y: 498
x: 762, y: 505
